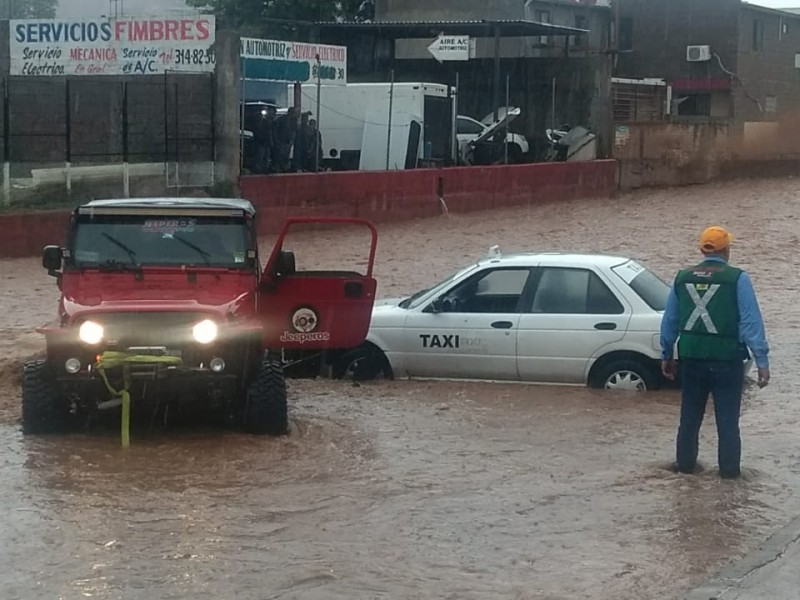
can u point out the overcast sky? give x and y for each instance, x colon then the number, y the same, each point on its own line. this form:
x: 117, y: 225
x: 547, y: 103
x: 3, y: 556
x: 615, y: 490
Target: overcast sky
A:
x: 77, y: 8
x: 779, y: 3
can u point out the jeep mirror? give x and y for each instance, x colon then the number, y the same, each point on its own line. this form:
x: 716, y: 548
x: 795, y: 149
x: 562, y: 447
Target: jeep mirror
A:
x: 286, y: 264
x: 52, y: 259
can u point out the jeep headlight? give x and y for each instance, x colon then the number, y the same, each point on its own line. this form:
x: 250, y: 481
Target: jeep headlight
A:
x: 205, y: 332
x: 91, y: 333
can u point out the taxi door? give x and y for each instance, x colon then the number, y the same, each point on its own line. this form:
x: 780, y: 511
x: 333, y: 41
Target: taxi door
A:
x: 470, y: 332
x: 573, y: 315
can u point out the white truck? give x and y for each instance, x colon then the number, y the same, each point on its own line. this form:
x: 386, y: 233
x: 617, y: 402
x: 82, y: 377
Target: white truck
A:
x: 422, y: 120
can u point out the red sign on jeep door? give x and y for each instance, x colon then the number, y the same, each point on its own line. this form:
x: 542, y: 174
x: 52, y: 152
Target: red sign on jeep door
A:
x: 312, y: 310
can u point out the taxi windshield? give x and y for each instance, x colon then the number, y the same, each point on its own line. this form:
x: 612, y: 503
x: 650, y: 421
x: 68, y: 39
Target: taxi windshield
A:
x: 135, y: 241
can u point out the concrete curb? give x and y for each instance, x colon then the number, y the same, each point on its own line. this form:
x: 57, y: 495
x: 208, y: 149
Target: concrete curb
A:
x: 733, y: 576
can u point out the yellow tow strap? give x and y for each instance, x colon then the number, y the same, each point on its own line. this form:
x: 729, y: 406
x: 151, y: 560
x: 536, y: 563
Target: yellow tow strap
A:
x: 112, y: 360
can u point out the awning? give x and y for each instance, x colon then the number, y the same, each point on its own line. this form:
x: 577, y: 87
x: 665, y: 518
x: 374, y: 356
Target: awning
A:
x: 719, y: 84
x: 425, y: 29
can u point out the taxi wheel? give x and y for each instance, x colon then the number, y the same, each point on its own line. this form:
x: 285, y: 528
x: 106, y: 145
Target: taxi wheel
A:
x: 362, y: 364
x: 628, y: 375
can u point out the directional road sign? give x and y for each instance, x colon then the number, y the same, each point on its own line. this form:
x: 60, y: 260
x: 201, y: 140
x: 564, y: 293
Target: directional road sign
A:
x: 450, y: 47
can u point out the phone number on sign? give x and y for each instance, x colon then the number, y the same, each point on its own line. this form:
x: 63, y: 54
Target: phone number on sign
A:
x: 195, y: 57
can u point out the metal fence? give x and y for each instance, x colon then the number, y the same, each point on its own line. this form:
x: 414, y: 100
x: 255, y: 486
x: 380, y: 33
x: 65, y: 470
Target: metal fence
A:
x: 638, y: 101
x: 94, y: 131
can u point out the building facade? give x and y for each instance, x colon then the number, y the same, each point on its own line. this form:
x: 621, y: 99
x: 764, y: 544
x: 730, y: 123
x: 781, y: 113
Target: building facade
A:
x: 554, y: 80
x: 751, y: 72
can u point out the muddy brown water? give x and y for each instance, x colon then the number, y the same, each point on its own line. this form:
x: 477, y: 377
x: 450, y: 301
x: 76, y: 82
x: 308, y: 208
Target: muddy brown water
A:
x: 421, y: 489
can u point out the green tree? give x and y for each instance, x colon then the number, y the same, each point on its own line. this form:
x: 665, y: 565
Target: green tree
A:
x: 28, y: 9
x: 276, y: 18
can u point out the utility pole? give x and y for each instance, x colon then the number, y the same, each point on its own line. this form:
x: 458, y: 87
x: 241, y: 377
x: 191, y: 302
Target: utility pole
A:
x: 9, y: 10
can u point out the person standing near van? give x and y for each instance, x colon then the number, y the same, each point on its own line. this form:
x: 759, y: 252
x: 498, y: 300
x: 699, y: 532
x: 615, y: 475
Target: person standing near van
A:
x: 314, y: 160
x: 285, y: 133
x: 713, y: 314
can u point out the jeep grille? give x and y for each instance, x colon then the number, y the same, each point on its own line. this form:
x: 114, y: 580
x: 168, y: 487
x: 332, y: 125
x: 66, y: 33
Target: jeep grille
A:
x: 148, y: 329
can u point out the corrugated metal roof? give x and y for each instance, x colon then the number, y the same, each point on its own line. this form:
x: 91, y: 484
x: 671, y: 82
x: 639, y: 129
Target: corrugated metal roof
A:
x: 476, y: 28
x: 788, y: 12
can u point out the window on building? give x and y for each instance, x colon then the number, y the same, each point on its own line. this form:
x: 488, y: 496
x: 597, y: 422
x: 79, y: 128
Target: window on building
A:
x: 625, y: 41
x: 784, y: 30
x: 581, y: 22
x: 758, y: 35
x: 542, y: 16
x: 771, y: 104
x: 694, y: 105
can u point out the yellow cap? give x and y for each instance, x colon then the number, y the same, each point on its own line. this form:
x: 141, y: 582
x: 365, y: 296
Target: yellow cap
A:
x: 715, y: 239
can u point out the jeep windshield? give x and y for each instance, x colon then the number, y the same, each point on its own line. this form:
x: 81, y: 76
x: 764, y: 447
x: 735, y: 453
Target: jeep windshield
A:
x: 131, y: 241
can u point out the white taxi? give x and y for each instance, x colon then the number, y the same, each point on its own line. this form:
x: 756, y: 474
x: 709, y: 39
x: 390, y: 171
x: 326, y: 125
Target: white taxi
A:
x: 546, y: 318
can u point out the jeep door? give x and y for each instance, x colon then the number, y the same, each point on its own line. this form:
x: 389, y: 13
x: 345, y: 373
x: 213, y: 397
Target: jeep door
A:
x: 471, y: 330
x: 316, y: 309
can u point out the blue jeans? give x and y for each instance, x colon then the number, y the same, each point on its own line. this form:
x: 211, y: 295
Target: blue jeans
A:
x: 724, y: 381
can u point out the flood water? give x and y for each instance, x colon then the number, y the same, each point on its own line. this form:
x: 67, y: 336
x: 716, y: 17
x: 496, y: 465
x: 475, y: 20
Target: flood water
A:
x: 399, y: 489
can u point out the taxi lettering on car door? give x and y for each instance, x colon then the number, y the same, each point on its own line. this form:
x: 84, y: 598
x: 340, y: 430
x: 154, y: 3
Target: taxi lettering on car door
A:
x: 469, y: 331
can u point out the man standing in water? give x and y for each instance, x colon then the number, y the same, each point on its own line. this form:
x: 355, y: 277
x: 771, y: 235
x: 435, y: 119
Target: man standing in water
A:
x: 713, y: 314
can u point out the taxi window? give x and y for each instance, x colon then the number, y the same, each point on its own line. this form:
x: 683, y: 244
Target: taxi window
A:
x: 574, y: 291
x: 492, y: 291
x: 647, y: 285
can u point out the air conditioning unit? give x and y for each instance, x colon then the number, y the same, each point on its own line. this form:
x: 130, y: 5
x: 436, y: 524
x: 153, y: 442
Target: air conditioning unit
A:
x: 698, y: 53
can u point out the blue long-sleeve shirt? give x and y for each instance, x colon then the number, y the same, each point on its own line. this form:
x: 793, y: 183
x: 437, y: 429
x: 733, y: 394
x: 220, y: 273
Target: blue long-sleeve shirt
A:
x: 751, y: 325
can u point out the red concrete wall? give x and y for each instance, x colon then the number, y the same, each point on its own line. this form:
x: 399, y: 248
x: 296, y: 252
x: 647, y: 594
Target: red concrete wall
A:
x: 401, y: 195
x: 379, y: 196
x: 25, y: 234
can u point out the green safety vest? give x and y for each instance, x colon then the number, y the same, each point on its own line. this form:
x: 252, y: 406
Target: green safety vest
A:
x: 708, y: 312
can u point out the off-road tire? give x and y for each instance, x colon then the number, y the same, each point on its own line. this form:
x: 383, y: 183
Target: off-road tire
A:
x: 632, y: 369
x: 266, y: 409
x: 44, y: 408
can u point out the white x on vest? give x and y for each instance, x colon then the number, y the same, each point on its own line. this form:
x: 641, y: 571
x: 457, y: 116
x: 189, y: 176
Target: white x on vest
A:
x: 701, y: 307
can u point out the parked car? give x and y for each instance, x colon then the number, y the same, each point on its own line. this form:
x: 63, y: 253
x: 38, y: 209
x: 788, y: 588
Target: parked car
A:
x: 547, y: 317
x: 469, y: 130
x: 251, y: 113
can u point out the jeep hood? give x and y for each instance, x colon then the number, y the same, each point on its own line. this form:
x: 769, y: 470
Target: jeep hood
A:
x: 201, y: 291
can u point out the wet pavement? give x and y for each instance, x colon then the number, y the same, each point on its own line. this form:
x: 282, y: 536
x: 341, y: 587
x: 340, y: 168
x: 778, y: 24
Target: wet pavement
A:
x: 422, y: 489
x: 769, y: 571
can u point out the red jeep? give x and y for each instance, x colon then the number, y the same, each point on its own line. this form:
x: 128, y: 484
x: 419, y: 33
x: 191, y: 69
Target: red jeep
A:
x: 164, y: 306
